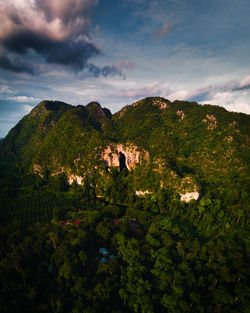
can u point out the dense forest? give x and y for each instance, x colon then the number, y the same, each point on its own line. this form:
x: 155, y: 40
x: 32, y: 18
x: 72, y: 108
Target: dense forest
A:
x: 99, y: 246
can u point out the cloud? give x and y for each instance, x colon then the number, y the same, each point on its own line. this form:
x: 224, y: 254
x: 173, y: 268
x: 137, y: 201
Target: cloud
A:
x: 58, y: 30
x: 161, y: 32
x: 186, y: 94
x: 110, y: 70
x: 228, y: 95
x: 8, y: 95
x: 23, y: 99
x: 125, y: 64
x: 6, y: 90
x: 27, y: 108
x: 105, y: 71
x: 160, y: 89
x: 244, y: 84
x: 141, y: 92
x: 208, y: 90
x: 232, y: 101
x: 10, y: 113
x: 16, y: 66
x: 57, y: 19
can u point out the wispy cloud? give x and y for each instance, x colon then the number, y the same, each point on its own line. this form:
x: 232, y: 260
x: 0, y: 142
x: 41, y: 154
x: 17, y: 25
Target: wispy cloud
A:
x: 10, y: 113
x: 4, y: 89
x: 228, y: 94
x: 152, y: 90
x: 161, y: 32
x: 244, y: 84
x: 219, y: 88
x: 232, y: 101
x: 27, y: 108
x: 110, y: 70
x: 125, y: 65
x: 23, y: 99
x: 186, y: 94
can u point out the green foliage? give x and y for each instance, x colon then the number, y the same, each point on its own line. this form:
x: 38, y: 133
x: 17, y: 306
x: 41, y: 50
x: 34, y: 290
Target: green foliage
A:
x: 164, y: 255
x: 190, y: 258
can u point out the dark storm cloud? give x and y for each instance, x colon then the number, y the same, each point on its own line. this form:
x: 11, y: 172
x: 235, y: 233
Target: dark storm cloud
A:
x: 17, y: 66
x: 58, y: 30
x: 73, y: 53
x: 21, y: 41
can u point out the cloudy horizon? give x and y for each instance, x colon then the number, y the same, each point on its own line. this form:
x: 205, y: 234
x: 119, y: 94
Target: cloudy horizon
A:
x: 117, y: 52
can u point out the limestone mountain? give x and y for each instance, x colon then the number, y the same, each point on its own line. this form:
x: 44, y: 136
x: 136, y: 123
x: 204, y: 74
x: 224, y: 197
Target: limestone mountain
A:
x: 175, y: 145
x: 145, y: 210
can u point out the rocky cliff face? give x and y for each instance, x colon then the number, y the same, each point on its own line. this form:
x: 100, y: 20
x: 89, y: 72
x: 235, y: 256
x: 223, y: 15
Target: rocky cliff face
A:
x: 75, y: 178
x: 114, y: 154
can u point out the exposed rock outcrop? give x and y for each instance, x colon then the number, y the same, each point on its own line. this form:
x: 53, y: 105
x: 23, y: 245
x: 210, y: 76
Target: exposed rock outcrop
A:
x: 141, y: 193
x: 211, y: 121
x: 158, y: 101
x: 161, y: 102
x: 75, y: 178
x: 37, y: 169
x: 181, y: 114
x: 133, y: 155
x: 189, y: 196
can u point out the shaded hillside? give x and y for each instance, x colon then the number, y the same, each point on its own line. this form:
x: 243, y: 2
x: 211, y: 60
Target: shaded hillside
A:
x: 23, y: 140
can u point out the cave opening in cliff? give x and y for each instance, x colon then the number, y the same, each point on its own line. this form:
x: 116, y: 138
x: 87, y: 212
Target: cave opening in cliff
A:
x: 106, y: 165
x: 122, y: 161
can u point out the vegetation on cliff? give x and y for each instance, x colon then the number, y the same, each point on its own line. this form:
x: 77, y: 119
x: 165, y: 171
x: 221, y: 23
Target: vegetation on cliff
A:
x: 163, y: 254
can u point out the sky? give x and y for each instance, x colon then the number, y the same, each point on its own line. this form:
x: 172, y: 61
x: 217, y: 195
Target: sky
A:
x: 119, y: 51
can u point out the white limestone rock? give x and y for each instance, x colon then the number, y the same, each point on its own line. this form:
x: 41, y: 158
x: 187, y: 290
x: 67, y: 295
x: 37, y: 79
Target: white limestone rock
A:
x: 190, y: 196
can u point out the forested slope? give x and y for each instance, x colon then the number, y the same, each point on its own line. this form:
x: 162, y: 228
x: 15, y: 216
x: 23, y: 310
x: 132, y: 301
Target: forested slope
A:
x: 92, y: 215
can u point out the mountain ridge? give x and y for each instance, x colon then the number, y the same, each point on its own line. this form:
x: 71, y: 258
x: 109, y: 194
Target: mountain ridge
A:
x: 184, y: 143
x: 162, y: 188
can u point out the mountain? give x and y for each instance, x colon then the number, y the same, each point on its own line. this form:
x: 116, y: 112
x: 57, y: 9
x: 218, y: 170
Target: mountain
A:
x: 162, y: 144
x: 145, y: 210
